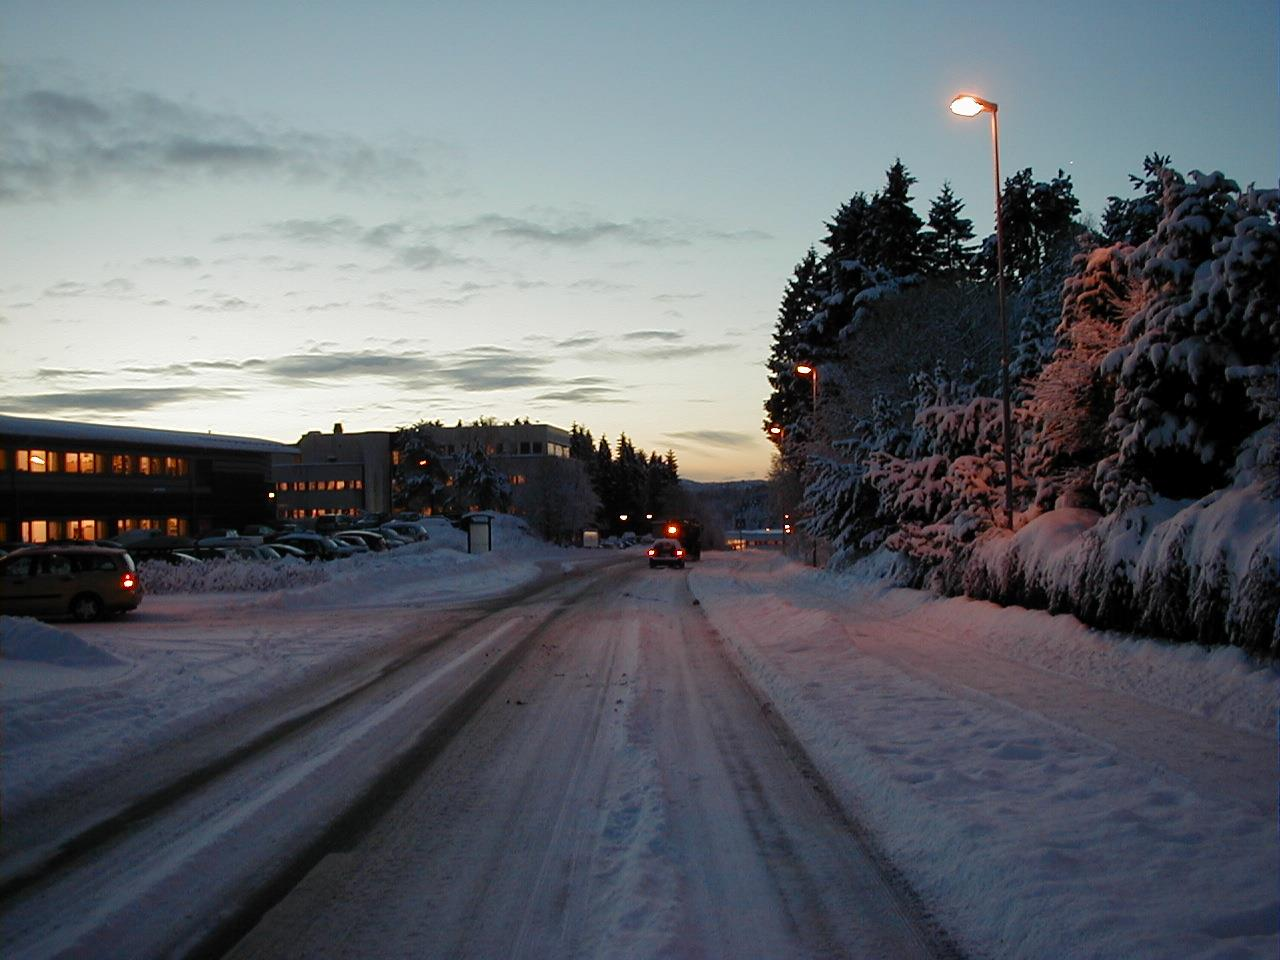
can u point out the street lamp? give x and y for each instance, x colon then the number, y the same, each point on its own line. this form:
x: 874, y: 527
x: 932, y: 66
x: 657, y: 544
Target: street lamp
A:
x: 810, y: 372
x: 967, y: 105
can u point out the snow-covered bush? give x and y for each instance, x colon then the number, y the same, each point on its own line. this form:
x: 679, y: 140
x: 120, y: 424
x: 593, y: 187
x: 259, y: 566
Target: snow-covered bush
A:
x: 1202, y: 570
x: 230, y: 576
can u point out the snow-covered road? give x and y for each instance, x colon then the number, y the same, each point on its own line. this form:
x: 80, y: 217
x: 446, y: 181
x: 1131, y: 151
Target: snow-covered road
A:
x: 620, y: 795
x: 643, y: 775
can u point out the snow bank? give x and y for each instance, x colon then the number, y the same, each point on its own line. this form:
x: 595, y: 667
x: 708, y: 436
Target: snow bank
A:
x: 229, y: 576
x: 510, y: 535
x: 22, y: 638
x: 1049, y: 789
x: 1203, y: 570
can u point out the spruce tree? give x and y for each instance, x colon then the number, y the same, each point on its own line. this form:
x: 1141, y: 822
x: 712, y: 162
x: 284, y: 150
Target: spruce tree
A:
x: 1134, y: 220
x: 949, y: 237
x: 897, y: 244
x: 789, y: 401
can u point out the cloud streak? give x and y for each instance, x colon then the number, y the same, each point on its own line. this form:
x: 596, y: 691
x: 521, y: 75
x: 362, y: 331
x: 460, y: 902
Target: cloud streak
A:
x: 117, y: 399
x: 712, y: 438
x: 59, y: 141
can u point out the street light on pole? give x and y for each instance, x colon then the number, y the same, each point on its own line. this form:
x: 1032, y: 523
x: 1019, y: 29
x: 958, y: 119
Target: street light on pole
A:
x: 810, y: 372
x: 967, y: 105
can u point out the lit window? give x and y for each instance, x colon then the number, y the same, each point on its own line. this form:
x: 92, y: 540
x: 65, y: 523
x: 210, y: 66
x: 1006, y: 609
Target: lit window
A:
x: 35, y: 531
x: 34, y: 461
x: 85, y: 529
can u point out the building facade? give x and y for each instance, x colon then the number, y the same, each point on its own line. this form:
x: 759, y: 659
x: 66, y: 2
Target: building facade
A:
x: 353, y: 473
x: 513, y: 448
x: 64, y: 480
x: 335, y: 473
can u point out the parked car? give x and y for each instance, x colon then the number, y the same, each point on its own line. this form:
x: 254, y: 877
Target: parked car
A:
x: 355, y: 543
x: 407, y: 529
x: 284, y: 551
x: 667, y: 553
x: 437, y: 525
x: 149, y: 548
x: 316, y: 546
x: 374, y: 542
x: 83, y: 582
x: 393, y: 539
x: 254, y: 551
x: 135, y: 538
x: 175, y: 558
x: 260, y: 530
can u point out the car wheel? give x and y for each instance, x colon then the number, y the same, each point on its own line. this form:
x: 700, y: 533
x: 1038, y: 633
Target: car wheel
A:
x: 652, y: 565
x: 86, y: 607
x: 680, y: 565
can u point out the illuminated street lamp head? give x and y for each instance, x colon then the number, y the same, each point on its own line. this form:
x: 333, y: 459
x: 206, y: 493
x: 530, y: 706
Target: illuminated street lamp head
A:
x: 804, y: 369
x: 775, y: 430
x: 967, y: 105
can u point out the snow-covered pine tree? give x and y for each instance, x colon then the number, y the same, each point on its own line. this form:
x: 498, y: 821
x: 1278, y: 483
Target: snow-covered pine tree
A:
x: 841, y: 506
x: 789, y: 401
x: 897, y: 244
x: 947, y: 486
x: 418, y: 478
x: 479, y: 485
x: 1209, y: 275
x: 1070, y: 399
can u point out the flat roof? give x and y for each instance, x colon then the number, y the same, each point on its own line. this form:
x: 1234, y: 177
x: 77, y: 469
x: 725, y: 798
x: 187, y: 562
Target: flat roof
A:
x: 71, y: 432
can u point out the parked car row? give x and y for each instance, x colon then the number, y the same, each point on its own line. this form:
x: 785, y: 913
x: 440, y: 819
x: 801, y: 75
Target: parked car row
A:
x: 90, y: 580
x: 268, y: 543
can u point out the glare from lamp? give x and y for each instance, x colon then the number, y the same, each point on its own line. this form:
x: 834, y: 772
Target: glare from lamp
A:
x: 967, y: 105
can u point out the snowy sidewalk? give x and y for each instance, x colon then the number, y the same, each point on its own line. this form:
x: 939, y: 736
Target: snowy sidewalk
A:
x: 1050, y: 790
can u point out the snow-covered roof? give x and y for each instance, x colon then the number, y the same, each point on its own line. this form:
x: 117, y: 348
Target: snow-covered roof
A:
x: 104, y: 433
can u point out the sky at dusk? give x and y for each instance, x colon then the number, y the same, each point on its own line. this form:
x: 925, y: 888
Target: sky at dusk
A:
x: 265, y: 218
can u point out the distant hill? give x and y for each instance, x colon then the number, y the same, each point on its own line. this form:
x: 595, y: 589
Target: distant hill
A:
x: 729, y: 505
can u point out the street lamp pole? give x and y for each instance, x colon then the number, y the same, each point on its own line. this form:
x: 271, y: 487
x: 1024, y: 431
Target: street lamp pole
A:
x: 967, y: 105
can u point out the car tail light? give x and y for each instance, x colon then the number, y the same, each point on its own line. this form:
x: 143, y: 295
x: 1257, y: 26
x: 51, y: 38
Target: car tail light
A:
x: 128, y: 581
x: 679, y: 553
x: 653, y: 553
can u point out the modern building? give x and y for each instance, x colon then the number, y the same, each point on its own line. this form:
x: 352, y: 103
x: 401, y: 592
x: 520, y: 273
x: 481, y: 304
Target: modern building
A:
x: 511, y: 447
x: 63, y: 480
x: 352, y: 473
x: 335, y: 473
